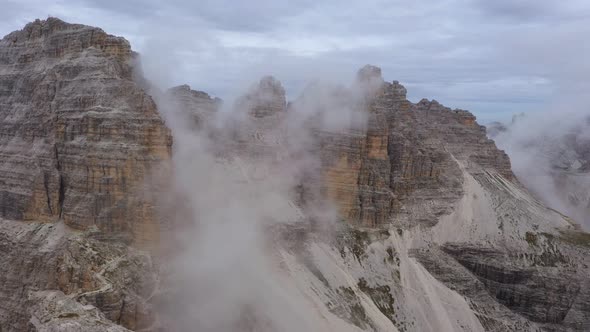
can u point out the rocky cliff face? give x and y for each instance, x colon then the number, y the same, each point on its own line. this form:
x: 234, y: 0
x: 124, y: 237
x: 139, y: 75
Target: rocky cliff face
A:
x: 78, y: 141
x: 400, y: 168
x: 77, y: 135
x: 434, y: 232
x: 55, y: 279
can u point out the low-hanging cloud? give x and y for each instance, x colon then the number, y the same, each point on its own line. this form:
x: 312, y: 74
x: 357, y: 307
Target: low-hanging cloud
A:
x: 237, y: 176
x: 550, y: 154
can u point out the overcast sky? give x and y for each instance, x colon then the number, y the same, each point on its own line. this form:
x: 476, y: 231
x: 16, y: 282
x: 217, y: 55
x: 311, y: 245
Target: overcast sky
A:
x: 493, y: 57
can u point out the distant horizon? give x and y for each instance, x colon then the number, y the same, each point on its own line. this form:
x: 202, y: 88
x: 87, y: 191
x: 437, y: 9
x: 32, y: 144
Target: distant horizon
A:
x: 480, y: 56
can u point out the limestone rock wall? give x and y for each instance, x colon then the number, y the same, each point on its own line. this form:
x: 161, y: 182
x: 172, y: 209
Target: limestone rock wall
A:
x: 401, y: 169
x: 77, y: 134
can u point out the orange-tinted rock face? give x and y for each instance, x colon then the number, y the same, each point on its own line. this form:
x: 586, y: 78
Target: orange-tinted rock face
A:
x: 403, y: 163
x: 340, y: 171
x: 77, y: 135
x: 377, y: 147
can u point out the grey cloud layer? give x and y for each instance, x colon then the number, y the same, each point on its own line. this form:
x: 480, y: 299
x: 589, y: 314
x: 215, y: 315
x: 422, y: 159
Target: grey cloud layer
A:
x: 492, y: 57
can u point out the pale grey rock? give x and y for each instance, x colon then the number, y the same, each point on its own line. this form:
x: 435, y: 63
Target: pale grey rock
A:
x: 198, y: 105
x: 110, y: 276
x: 54, y: 312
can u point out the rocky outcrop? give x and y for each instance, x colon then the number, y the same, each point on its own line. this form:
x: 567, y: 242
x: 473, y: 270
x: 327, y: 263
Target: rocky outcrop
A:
x: 516, y: 285
x: 109, y: 276
x: 53, y: 312
x: 256, y: 130
x: 198, y: 105
x: 495, y: 128
x: 400, y: 168
x: 266, y: 98
x: 77, y: 135
x: 544, y: 287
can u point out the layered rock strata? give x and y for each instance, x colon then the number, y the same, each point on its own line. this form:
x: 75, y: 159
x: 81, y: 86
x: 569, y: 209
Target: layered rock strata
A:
x: 78, y: 136
x: 39, y: 261
x: 400, y: 169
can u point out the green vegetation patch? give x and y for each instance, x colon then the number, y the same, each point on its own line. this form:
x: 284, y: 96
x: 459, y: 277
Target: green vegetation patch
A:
x: 531, y: 238
x: 577, y: 238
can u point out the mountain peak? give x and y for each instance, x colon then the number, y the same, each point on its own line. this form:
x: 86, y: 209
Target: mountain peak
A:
x: 56, y: 38
x: 265, y: 98
x: 369, y: 73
